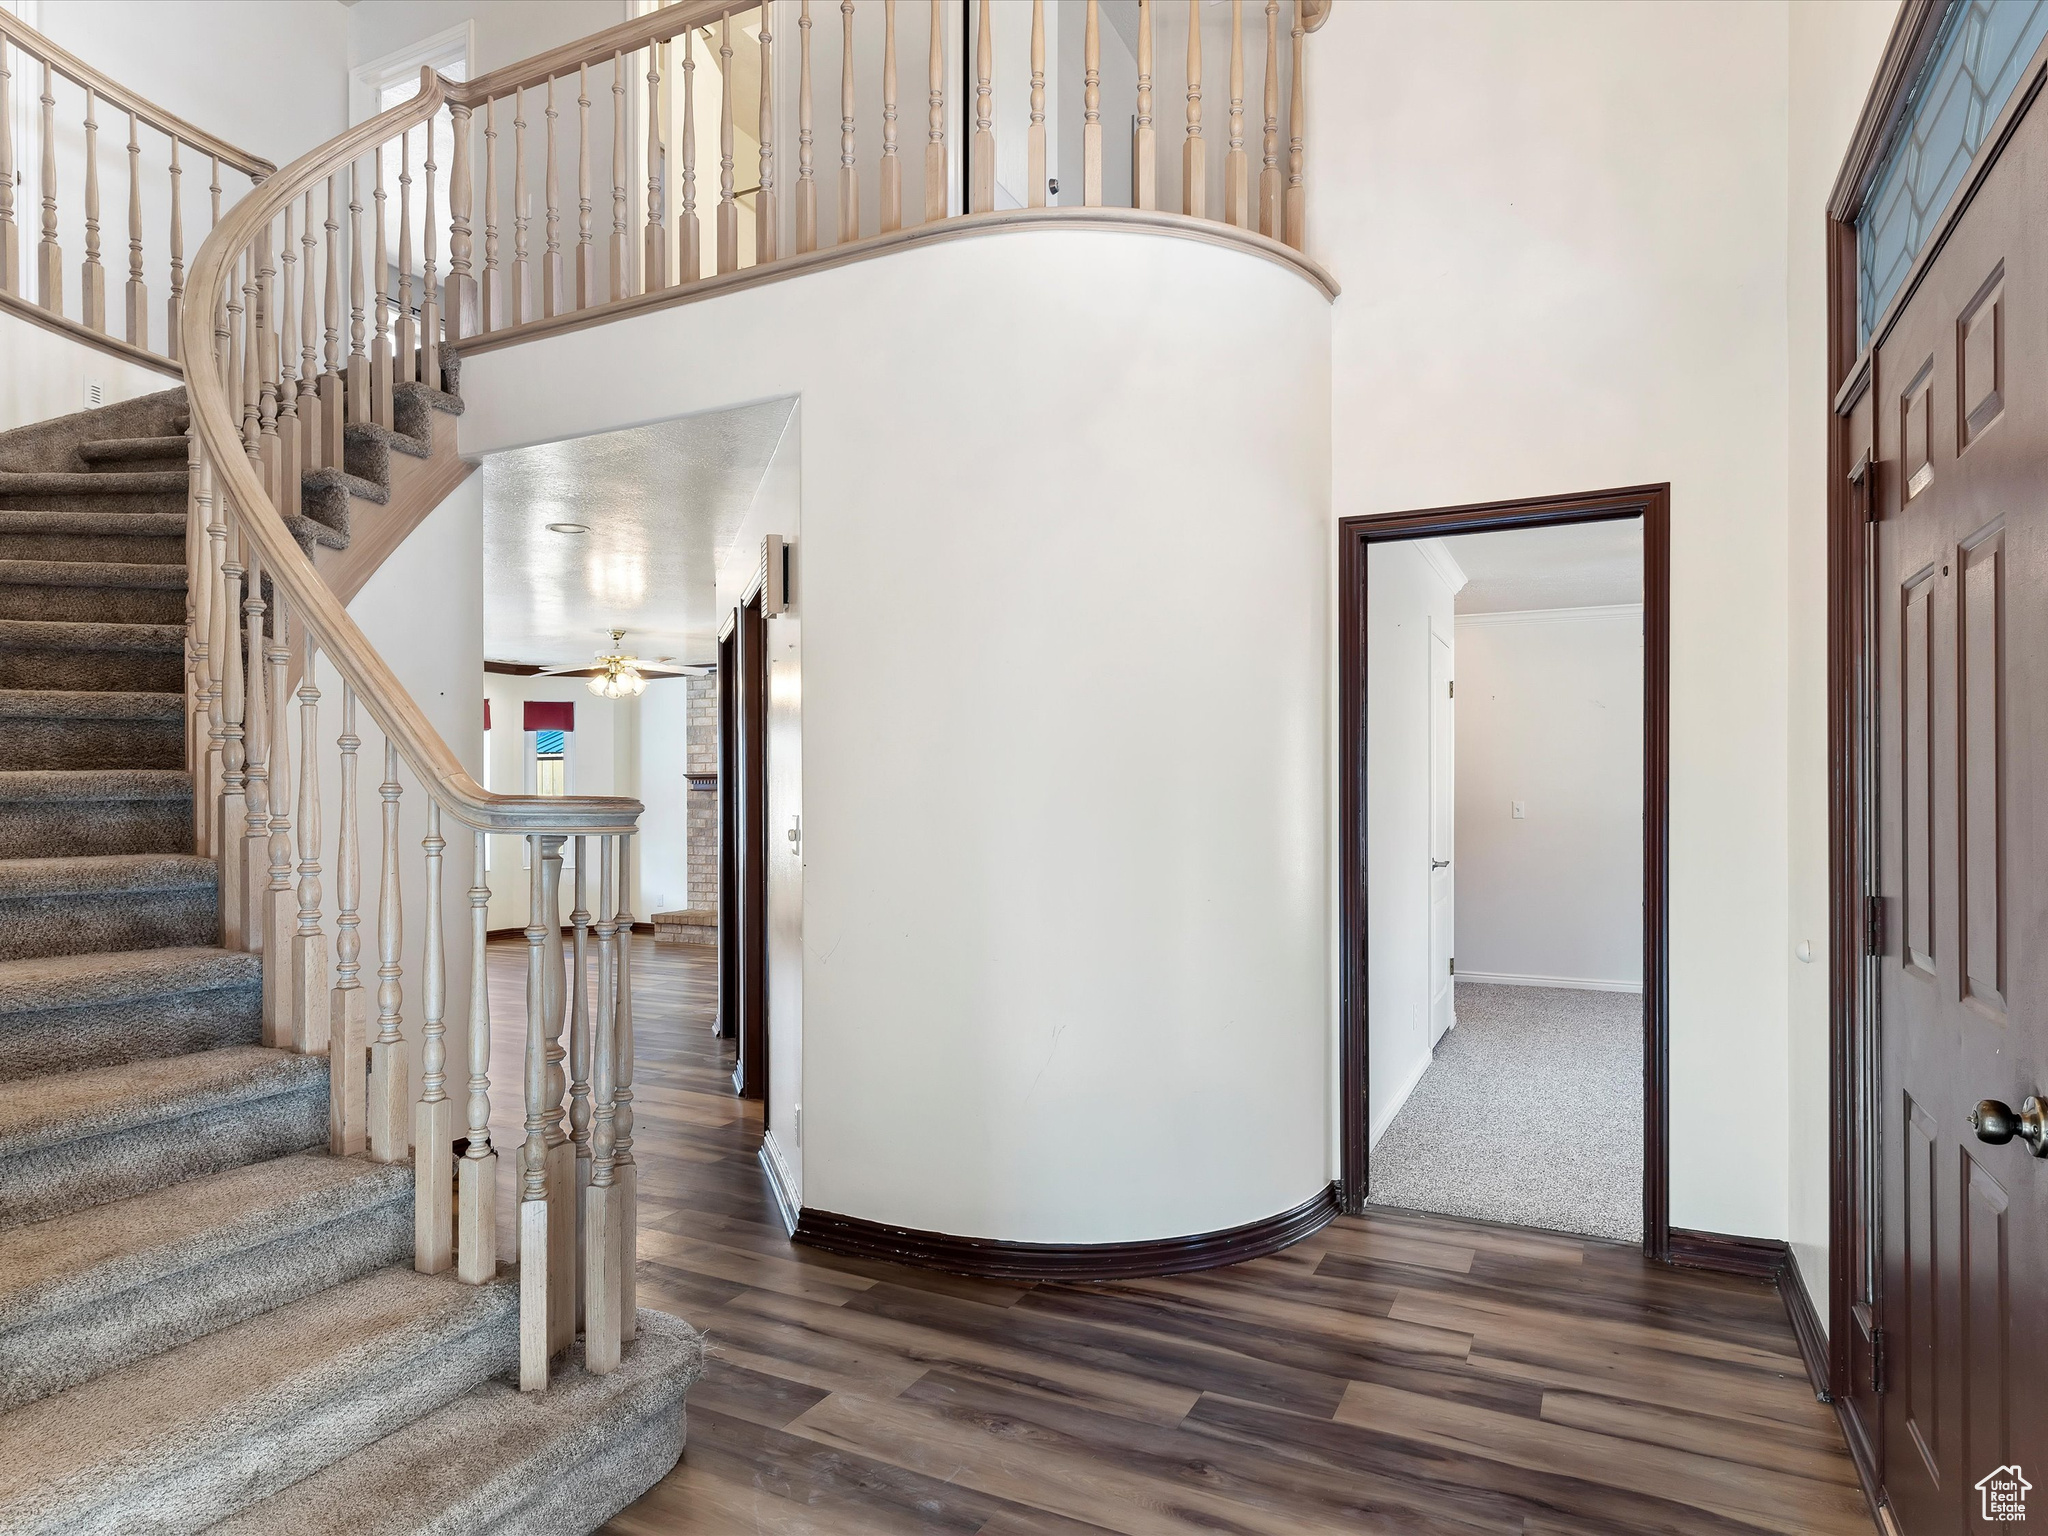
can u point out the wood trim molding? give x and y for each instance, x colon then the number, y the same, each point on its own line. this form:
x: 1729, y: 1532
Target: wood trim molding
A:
x: 1913, y: 32
x: 962, y: 227
x: 992, y: 1258
x: 1758, y: 1257
x: 1652, y: 503
x: 1806, y: 1329
x: 418, y: 486
x: 113, y: 346
x: 777, y: 1172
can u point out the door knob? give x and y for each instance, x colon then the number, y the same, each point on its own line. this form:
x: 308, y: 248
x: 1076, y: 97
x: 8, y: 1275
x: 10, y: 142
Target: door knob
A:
x: 1439, y: 863
x: 1996, y: 1123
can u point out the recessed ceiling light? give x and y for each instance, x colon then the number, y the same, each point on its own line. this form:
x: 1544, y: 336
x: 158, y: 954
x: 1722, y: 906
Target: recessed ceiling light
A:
x: 568, y: 527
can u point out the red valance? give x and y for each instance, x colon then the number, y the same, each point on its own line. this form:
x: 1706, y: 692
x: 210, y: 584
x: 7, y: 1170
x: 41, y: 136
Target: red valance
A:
x: 550, y: 715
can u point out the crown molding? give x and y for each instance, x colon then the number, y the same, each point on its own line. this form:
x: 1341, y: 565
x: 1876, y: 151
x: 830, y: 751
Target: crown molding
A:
x: 1555, y: 615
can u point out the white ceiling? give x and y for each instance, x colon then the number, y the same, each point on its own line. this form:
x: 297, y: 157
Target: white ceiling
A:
x: 1571, y: 565
x: 663, y: 502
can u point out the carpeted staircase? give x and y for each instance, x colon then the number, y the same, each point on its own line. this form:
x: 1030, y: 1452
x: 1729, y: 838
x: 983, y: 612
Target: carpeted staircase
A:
x: 206, y: 1321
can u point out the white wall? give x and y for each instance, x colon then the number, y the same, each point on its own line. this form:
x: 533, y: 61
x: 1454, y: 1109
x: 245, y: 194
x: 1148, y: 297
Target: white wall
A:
x: 1834, y: 52
x: 46, y: 374
x: 1564, y: 269
x: 1405, y: 595
x: 1051, y: 991
x: 1550, y: 714
x: 663, y: 869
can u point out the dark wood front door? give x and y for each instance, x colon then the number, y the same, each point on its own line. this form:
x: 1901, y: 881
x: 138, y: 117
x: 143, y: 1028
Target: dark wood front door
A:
x: 1955, y: 423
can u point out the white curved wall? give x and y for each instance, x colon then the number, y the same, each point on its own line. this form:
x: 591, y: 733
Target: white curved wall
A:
x: 1066, y: 724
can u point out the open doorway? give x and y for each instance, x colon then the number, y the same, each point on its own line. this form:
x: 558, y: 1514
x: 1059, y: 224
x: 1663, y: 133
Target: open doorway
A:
x: 1505, y: 720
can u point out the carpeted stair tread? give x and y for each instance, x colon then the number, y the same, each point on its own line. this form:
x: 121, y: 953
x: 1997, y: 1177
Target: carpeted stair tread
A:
x: 45, y: 785
x: 41, y: 1112
x: 91, y: 811
x: 60, y: 981
x: 58, y: 635
x: 71, y: 704
x: 499, y: 1462
x: 91, y: 573
x: 155, y: 538
x: 38, y: 653
x: 110, y: 874
x: 130, y: 450
x: 177, y: 1441
x: 67, y: 728
x: 66, y: 1013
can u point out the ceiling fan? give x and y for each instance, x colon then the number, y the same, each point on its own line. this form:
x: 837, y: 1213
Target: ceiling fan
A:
x: 619, y: 675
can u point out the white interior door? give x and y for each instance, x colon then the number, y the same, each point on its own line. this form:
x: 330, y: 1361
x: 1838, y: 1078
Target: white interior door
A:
x: 1442, y: 835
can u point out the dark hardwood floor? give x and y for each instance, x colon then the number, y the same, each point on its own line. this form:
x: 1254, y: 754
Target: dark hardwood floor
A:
x: 1391, y: 1374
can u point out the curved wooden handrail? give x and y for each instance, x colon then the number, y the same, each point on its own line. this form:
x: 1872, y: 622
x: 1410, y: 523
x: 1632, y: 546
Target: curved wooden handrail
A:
x: 346, y: 647
x: 78, y: 72
x: 656, y: 26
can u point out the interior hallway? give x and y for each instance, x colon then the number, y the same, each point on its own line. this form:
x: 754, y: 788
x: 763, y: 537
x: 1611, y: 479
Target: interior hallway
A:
x: 1391, y: 1372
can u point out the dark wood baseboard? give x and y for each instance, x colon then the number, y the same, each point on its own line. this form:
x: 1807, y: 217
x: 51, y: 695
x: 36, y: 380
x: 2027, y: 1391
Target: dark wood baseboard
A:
x: 1813, y: 1343
x: 995, y: 1259
x: 1759, y: 1257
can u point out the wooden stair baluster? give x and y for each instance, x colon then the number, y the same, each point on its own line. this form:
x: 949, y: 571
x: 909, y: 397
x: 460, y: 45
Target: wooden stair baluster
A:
x: 137, y: 293
x: 1034, y: 141
x: 309, y: 944
x: 404, y: 332
x: 358, y: 360
x: 333, y: 383
x: 1294, y: 206
x: 621, y: 268
x: 601, y: 1288
x: 1194, y: 154
x: 935, y: 131
x: 625, y: 1174
x: 49, y: 255
x: 459, y: 312
x: 561, y: 1154
x: 891, y: 187
x: 289, y: 444
x: 263, y: 359
x: 491, y: 296
x: 534, y: 1346
x: 476, y: 1194
x: 430, y: 285
x: 251, y: 866
x: 1269, y: 164
x: 309, y: 343
x: 174, y: 312
x: 92, y: 277
x: 654, y: 240
x: 806, y: 181
x: 689, y: 236
x: 433, y: 1135
x: 767, y: 206
x: 585, y: 293
x: 10, y: 248
x: 280, y: 908
x: 388, y: 1126
x: 233, y: 815
x: 348, y: 1025
x: 522, y: 283
x: 1144, y: 137
x: 1236, y: 177
x: 849, y: 169
x: 199, y: 586
x: 981, y: 170
x: 1091, y: 110
x: 728, y: 209
x: 381, y: 374
x: 579, y: 1057
x: 551, y: 284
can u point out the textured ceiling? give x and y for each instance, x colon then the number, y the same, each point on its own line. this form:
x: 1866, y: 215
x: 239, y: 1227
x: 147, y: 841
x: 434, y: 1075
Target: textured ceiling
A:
x: 1576, y: 565
x: 663, y: 502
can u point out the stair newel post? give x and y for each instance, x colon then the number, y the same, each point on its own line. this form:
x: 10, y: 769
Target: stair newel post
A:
x: 1269, y: 161
x: 1236, y: 178
x: 625, y: 1174
x: 522, y: 290
x: 405, y: 335
x: 491, y: 299
x: 600, y: 1233
x: 252, y: 868
x: 49, y: 255
x: 935, y: 131
x: 10, y: 250
x: 430, y: 283
x: 433, y: 1139
x: 1294, y: 205
x: 92, y: 277
x: 534, y: 1349
x: 981, y: 150
x: 1091, y: 110
x: 358, y: 331
x: 136, y: 292
x: 586, y: 250
x: 174, y: 312
x: 288, y: 432
x: 309, y: 344
x: 280, y: 909
x: 347, y: 1016
x: 1144, y: 137
x: 890, y: 188
x: 849, y: 169
x: 689, y: 235
x: 551, y: 185
x: 476, y: 1195
x: 561, y: 1153
x: 460, y: 315
x: 1194, y: 153
x: 806, y: 179
x: 620, y: 267
x: 1034, y: 140
x: 654, y: 240
x: 380, y: 314
x: 767, y: 202
x: 309, y: 944
x: 579, y: 1053
x: 388, y: 1128
x: 233, y: 804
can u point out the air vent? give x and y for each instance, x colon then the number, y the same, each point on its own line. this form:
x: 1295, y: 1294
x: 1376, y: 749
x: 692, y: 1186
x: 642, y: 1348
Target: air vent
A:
x: 95, y: 394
